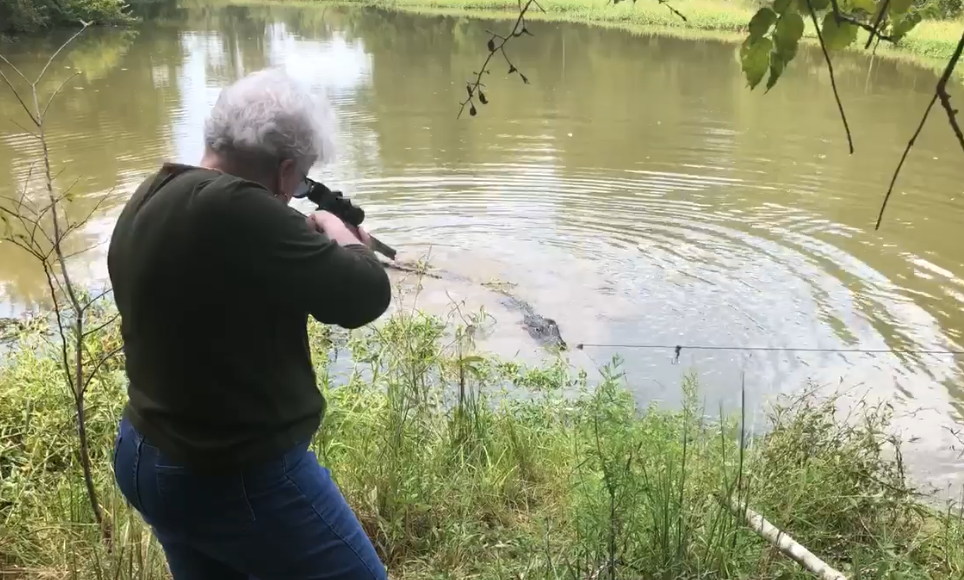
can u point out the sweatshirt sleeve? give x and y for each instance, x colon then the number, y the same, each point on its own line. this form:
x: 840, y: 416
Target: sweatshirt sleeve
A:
x: 275, y: 247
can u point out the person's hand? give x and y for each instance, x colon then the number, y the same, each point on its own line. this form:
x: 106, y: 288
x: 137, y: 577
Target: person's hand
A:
x: 323, y: 221
x: 332, y: 226
x: 362, y: 235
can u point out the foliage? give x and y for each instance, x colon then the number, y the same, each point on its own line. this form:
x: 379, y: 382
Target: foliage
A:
x: 25, y: 16
x: 773, y: 35
x: 944, y: 9
x: 775, y: 31
x: 38, y: 223
x: 459, y: 464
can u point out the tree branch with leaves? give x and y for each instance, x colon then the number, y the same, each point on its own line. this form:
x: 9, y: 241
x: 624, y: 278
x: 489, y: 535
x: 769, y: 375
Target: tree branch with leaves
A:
x: 35, y: 220
x: 773, y: 38
x: 775, y: 32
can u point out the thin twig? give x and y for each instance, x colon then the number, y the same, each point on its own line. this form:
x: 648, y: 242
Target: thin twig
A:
x: 57, y: 52
x: 57, y: 92
x: 25, y: 130
x: 93, y: 371
x: 26, y: 183
x: 16, y: 94
x: 833, y: 82
x: 62, y: 330
x: 97, y: 329
x: 875, y: 31
x: 940, y: 92
x: 951, y: 112
x: 97, y: 298
x: 67, y: 306
x: 24, y: 247
x: 87, y: 249
x: 673, y: 10
x: 473, y: 88
x: 840, y: 18
x: 15, y: 69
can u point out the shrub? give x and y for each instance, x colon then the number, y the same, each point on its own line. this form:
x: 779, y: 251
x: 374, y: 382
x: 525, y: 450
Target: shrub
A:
x: 27, y: 16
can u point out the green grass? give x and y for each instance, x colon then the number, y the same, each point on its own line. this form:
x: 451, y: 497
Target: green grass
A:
x: 931, y: 40
x: 461, y: 465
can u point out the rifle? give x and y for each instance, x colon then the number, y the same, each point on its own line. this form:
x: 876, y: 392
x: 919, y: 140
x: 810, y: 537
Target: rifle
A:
x: 336, y: 203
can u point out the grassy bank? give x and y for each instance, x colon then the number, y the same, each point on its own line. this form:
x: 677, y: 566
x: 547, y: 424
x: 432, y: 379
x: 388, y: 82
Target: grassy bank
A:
x: 463, y: 466
x: 931, y: 39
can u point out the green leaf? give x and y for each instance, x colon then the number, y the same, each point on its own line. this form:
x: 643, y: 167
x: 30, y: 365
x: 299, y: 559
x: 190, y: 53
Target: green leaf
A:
x: 898, y: 7
x: 777, y: 66
x: 868, y: 6
x: 762, y: 21
x: 904, y: 25
x: 781, y: 6
x: 817, y: 5
x: 755, y: 58
x: 787, y: 35
x: 837, y: 36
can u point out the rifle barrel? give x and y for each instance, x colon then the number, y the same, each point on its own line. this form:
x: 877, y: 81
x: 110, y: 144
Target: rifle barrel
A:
x: 382, y: 248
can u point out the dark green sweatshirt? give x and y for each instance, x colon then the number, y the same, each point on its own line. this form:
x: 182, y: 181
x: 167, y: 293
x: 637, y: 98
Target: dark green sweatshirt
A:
x: 215, y: 279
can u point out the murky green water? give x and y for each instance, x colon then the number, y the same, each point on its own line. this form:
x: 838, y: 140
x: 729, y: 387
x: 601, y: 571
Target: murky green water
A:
x: 635, y: 191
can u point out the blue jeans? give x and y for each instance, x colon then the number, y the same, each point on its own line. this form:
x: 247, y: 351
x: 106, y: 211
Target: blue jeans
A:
x: 284, y: 519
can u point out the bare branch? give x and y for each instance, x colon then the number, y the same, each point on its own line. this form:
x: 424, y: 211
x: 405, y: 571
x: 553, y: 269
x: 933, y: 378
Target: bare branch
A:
x: 474, y: 87
x: 15, y: 69
x: 940, y: 92
x: 14, y: 215
x: 951, y: 112
x: 23, y: 192
x: 95, y: 299
x: 833, y: 82
x: 62, y: 331
x: 841, y: 18
x: 93, y: 371
x: 18, y: 205
x: 875, y: 31
x: 85, y: 250
x: 69, y: 315
x: 57, y: 52
x: 94, y: 210
x: 57, y: 92
x: 25, y: 247
x: 671, y: 9
x: 16, y: 94
x: 53, y: 204
x: 25, y: 130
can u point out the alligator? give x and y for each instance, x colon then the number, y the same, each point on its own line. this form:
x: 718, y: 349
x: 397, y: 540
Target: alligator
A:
x: 544, y: 330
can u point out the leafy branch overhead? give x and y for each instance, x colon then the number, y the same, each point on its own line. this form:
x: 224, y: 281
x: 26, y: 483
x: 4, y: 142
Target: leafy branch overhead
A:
x: 775, y: 31
x: 773, y: 37
x: 496, y: 46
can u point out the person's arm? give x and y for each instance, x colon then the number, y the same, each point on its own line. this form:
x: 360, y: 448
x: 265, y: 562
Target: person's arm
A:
x: 278, y: 248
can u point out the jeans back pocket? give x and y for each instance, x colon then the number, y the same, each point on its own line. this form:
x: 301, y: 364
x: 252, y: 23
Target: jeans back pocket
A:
x: 207, y: 502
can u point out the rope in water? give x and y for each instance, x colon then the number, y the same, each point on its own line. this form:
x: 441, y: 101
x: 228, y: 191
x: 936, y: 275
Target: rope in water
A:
x: 582, y: 345
x: 678, y: 349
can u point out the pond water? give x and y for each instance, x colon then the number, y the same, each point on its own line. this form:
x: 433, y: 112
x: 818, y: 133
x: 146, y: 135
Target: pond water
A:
x: 635, y: 190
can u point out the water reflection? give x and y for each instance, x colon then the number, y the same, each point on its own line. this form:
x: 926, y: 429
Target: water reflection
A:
x: 635, y: 191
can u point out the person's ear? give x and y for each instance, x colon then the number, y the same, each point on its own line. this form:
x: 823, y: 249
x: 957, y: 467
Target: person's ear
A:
x: 288, y: 178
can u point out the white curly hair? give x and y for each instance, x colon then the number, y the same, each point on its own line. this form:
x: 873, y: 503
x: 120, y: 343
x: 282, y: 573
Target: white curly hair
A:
x: 270, y: 115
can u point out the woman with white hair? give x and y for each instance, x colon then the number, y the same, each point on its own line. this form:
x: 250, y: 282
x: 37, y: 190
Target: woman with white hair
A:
x: 215, y: 277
